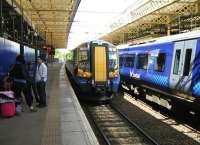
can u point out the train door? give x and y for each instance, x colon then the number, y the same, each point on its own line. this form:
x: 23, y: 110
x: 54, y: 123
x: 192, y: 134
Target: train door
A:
x: 100, y: 64
x: 183, y: 56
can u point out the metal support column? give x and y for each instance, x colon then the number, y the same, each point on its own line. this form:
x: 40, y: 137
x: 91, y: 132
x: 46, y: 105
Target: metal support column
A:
x: 51, y: 39
x: 22, y: 30
x: 168, y: 30
x: 168, y: 25
x: 197, y: 7
x: 179, y: 24
x: 191, y: 23
x: 45, y: 37
x: 1, y: 11
x: 13, y: 22
x: 36, y: 50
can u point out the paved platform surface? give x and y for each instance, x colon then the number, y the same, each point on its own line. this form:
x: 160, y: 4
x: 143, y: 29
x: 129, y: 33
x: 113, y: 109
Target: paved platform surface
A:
x: 61, y: 123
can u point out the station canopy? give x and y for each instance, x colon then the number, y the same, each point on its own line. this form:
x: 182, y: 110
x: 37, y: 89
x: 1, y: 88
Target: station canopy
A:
x: 51, y: 18
x: 154, y: 18
x: 94, y: 17
x: 133, y: 21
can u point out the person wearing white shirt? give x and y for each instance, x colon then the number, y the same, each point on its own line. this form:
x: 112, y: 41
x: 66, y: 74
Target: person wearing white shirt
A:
x: 41, y: 78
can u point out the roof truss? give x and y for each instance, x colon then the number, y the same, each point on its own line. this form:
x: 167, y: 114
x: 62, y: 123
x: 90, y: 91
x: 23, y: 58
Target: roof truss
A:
x: 51, y: 18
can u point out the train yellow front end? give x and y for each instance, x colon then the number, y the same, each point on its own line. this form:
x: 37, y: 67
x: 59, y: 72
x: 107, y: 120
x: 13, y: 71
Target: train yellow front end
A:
x: 94, y: 67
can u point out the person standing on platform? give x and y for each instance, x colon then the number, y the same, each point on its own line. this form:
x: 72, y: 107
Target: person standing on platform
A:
x: 41, y: 78
x: 19, y: 75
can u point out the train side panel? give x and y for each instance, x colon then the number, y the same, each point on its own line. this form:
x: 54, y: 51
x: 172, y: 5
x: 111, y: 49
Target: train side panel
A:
x: 8, y: 52
x: 160, y: 61
x: 196, y: 72
x: 150, y: 64
x: 154, y: 69
x: 124, y: 71
x: 29, y: 54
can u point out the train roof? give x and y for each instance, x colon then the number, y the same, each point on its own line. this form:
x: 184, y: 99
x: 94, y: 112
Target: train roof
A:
x: 167, y: 39
x: 179, y: 37
x: 98, y: 41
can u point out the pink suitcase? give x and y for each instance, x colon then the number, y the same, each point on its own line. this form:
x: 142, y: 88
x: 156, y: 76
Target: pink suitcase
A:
x: 7, y: 109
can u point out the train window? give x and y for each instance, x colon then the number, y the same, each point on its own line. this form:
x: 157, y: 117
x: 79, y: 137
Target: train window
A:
x: 83, y: 55
x: 142, y: 61
x: 113, y: 59
x: 160, y: 62
x: 129, y: 61
x: 177, y: 61
x: 187, y: 62
x: 120, y: 61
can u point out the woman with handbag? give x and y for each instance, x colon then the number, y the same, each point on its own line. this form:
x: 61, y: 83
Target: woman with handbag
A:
x: 19, y: 75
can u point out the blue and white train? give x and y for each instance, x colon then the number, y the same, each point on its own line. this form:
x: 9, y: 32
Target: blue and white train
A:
x: 165, y: 71
x: 94, y: 68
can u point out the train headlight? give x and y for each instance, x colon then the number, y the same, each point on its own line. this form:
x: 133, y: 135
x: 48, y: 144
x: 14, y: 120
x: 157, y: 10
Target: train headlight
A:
x: 85, y: 74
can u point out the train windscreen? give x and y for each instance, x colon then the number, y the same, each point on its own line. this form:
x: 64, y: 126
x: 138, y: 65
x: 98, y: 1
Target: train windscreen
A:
x: 113, y: 59
x: 84, y: 60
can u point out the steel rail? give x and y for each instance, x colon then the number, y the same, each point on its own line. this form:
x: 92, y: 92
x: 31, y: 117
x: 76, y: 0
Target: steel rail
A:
x: 123, y: 117
x: 99, y: 128
x: 135, y: 125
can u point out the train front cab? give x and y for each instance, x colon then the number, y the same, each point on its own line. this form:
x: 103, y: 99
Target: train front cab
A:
x: 105, y: 73
x: 97, y: 70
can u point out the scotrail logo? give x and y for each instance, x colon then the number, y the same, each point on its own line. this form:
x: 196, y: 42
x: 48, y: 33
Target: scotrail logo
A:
x: 133, y: 75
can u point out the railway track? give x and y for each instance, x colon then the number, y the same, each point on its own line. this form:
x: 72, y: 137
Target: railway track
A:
x: 115, y: 127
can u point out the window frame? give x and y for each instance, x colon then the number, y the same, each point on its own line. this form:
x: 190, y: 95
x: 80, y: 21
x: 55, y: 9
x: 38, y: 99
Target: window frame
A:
x: 138, y: 59
x: 121, y: 63
x: 132, y: 56
x: 113, y: 51
x: 165, y: 57
x: 175, y: 60
x: 80, y: 58
x: 188, y: 62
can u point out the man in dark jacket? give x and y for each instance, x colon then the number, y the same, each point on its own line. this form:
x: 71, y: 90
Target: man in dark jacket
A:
x: 20, y: 76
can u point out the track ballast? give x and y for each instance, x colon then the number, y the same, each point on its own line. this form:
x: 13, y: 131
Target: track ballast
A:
x: 116, y: 128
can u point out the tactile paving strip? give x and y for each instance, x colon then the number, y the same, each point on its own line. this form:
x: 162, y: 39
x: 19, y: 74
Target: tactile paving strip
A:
x: 52, y: 127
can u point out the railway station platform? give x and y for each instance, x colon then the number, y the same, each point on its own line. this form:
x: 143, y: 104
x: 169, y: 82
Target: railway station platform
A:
x: 62, y: 122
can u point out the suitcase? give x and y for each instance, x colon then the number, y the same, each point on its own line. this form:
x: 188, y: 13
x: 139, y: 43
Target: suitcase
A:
x: 8, y: 109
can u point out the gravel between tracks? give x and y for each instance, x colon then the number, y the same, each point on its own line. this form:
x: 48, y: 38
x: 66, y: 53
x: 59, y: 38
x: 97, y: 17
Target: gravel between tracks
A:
x: 164, y: 130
